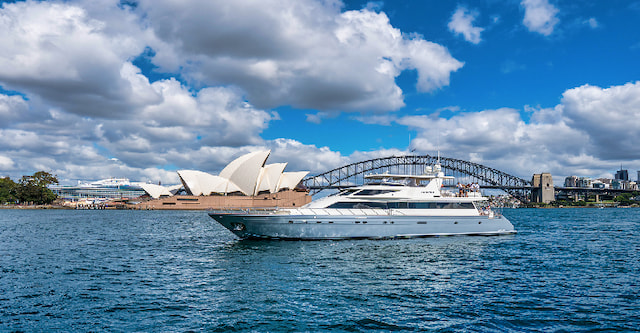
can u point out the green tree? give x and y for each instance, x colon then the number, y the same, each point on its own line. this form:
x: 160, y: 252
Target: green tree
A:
x: 624, y: 199
x: 7, y: 190
x: 40, y: 178
x: 34, y: 188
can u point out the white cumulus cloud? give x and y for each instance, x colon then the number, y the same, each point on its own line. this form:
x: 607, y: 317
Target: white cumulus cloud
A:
x: 303, y: 53
x: 589, y: 132
x: 611, y: 117
x: 58, y: 53
x: 462, y: 23
x: 6, y: 163
x: 12, y: 108
x: 540, y: 16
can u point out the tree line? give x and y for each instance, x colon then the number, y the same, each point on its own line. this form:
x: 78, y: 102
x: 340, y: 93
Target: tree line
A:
x: 28, y: 190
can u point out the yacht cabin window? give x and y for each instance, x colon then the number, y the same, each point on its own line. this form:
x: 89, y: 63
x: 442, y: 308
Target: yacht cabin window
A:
x: 402, y: 205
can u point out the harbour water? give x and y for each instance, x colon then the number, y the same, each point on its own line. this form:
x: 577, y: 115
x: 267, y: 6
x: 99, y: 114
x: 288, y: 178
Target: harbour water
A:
x: 567, y: 270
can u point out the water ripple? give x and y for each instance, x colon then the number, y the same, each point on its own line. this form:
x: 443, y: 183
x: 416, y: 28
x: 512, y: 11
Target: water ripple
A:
x: 567, y: 270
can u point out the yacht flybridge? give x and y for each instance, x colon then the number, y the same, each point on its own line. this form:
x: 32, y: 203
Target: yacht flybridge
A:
x: 390, y: 206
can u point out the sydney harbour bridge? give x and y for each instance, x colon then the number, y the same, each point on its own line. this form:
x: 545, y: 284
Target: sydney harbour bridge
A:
x: 464, y: 172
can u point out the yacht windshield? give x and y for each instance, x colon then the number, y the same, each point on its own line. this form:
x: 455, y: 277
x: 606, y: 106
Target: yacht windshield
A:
x: 374, y: 192
x: 344, y: 192
x: 348, y: 191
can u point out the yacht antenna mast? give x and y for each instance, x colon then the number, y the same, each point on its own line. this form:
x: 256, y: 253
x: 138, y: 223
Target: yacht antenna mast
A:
x: 438, y: 144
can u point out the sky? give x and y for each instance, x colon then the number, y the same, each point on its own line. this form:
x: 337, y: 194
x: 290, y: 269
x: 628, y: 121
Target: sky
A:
x: 92, y: 89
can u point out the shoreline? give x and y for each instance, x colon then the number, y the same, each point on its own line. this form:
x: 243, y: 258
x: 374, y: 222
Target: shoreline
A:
x: 34, y: 207
x: 134, y: 207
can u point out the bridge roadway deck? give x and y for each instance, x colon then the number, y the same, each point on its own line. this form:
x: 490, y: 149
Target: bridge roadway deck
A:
x: 528, y: 188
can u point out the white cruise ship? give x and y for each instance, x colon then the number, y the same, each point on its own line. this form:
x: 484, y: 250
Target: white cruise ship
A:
x: 395, y: 206
x: 110, y: 188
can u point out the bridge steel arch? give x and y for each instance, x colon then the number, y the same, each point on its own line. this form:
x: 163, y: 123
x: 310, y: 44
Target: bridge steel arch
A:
x: 463, y: 171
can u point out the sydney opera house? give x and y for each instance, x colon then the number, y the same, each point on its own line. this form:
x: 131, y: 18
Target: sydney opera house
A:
x: 245, y: 182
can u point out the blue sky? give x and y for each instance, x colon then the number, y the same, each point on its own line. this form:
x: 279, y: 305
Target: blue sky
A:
x: 510, y: 67
x: 139, y: 89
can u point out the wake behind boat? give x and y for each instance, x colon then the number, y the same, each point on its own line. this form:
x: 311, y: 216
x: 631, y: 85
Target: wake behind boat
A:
x: 392, y: 206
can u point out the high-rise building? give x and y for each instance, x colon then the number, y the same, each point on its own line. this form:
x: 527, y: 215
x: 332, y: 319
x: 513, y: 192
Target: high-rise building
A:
x: 571, y: 181
x: 622, y: 174
x: 584, y: 182
x: 638, y: 176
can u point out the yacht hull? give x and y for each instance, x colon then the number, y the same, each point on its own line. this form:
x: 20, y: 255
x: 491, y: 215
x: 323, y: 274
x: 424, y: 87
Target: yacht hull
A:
x: 313, y: 227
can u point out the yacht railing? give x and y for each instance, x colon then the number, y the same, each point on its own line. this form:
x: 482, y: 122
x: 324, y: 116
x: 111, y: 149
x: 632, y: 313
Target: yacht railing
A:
x: 491, y: 213
x: 306, y: 211
x: 330, y: 212
x: 341, y: 212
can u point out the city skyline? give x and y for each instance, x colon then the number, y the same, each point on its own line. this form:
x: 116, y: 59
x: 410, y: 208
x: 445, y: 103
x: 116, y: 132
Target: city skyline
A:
x: 98, y: 89
x: 621, y: 174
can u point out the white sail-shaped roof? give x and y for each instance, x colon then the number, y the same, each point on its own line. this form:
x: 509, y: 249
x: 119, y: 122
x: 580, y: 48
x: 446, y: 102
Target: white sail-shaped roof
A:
x: 202, y: 183
x: 247, y: 174
x: 175, y: 188
x: 245, y: 170
x: 290, y: 179
x: 156, y: 191
x: 269, y: 177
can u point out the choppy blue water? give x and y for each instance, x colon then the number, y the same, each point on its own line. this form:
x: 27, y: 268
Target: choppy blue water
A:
x: 566, y: 270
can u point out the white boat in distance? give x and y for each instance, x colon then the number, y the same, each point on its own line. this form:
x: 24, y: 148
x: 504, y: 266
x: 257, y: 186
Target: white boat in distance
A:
x: 395, y: 206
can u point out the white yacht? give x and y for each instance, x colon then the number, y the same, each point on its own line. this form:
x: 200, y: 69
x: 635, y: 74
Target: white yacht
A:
x: 391, y: 206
